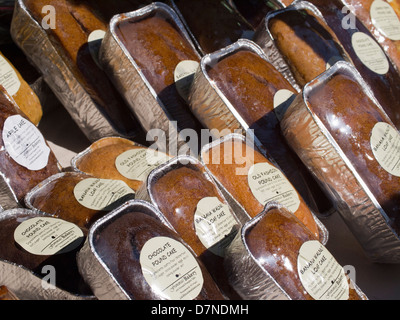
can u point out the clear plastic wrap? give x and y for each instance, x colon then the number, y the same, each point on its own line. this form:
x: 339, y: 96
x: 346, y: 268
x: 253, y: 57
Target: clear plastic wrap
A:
x: 146, y: 78
x: 344, y: 137
x: 32, y: 275
x: 191, y: 202
x: 274, y: 257
x: 118, y: 158
x: 97, y: 112
x: 150, y: 255
x: 249, y: 181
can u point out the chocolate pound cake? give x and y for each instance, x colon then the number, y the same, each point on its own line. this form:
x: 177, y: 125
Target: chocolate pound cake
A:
x: 122, y: 246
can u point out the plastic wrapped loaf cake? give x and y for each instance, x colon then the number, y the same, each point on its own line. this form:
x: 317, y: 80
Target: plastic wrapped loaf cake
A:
x: 25, y: 157
x: 20, y: 91
x: 275, y: 257
x: 120, y: 159
x: 348, y: 142
x: 133, y: 254
x: 191, y: 202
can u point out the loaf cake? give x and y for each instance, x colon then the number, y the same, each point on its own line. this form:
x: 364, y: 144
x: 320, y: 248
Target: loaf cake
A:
x: 157, y: 46
x: 101, y: 161
x: 376, y: 70
x: 21, y: 178
x: 305, y: 44
x: 230, y: 163
x: 120, y: 246
x: 214, y: 24
x: 177, y: 194
x: 251, y: 84
x: 351, y: 123
x: 74, y: 22
x: 67, y: 274
x: 56, y: 196
x: 19, y: 90
x: 275, y: 241
x: 383, y: 24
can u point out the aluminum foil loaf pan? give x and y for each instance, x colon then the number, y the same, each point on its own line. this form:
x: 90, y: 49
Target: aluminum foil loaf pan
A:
x: 264, y: 38
x: 154, y: 266
x: 38, y: 46
x: 32, y: 276
x: 237, y: 207
x: 153, y: 114
x: 346, y: 178
x: 256, y: 276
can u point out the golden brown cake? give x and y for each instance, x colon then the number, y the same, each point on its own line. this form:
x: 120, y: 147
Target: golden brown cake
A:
x: 67, y: 273
x: 214, y: 24
x: 250, y: 84
x: 25, y: 97
x: 356, y: 118
x: 120, y: 245
x: 75, y: 21
x: 306, y: 45
x: 56, y: 197
x: 157, y: 46
x: 224, y: 166
x: 275, y: 241
x: 100, y: 161
x: 177, y: 194
x: 20, y: 178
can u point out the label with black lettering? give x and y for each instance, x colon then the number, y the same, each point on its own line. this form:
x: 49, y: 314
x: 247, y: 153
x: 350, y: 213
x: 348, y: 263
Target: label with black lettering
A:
x: 385, y: 145
x: 48, y: 236
x: 171, y: 269
x: 282, y: 100
x: 8, y: 77
x: 136, y: 164
x: 370, y: 53
x: 25, y: 143
x: 94, y: 42
x: 268, y: 183
x: 385, y: 19
x: 214, y: 224
x: 100, y: 194
x: 320, y: 274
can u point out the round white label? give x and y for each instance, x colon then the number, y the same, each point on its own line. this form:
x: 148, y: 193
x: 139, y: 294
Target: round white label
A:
x: 282, y: 100
x: 136, y: 164
x: 267, y: 183
x: 170, y: 269
x: 385, y: 145
x: 385, y: 19
x: 320, y: 274
x: 100, y: 194
x: 25, y: 143
x: 184, y: 75
x: 94, y: 42
x: 48, y: 236
x: 8, y: 77
x: 370, y: 53
x: 214, y: 224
